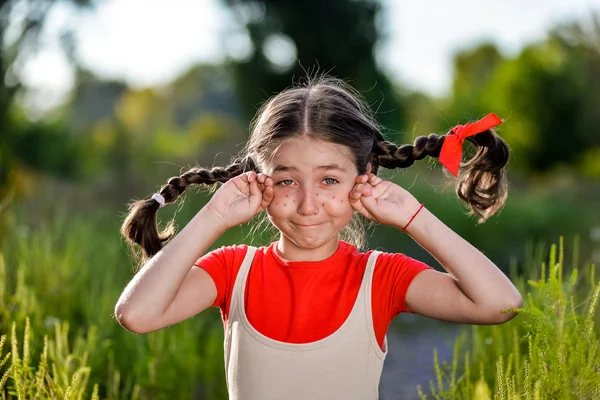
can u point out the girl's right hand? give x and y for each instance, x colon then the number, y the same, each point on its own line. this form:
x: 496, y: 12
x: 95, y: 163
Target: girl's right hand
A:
x: 241, y: 198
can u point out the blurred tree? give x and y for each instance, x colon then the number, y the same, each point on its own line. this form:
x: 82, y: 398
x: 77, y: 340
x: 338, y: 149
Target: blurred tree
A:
x: 422, y: 114
x: 548, y: 95
x: 542, y: 94
x: 584, y: 42
x: 132, y: 133
x: 337, y: 36
x: 473, y: 69
x: 21, y: 22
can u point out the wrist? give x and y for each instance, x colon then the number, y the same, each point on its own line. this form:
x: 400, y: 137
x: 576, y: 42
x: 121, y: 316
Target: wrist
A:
x: 421, y: 206
x: 212, y: 218
x: 421, y: 224
x: 411, y: 207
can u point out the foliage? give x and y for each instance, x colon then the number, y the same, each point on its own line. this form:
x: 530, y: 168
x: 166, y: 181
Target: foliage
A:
x: 549, y: 351
x: 59, y: 266
x: 61, y: 372
x: 547, y: 94
x: 21, y: 22
x: 341, y: 40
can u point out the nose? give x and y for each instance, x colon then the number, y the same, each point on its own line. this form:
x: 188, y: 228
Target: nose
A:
x: 308, y: 204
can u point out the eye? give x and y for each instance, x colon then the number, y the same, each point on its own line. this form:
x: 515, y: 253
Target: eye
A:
x: 281, y: 183
x: 331, y: 179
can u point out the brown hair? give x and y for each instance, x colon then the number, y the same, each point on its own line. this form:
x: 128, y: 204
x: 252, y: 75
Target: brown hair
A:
x: 328, y: 109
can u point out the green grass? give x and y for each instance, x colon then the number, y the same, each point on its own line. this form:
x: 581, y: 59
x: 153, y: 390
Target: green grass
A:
x: 60, y: 372
x: 550, y: 351
x: 64, y: 269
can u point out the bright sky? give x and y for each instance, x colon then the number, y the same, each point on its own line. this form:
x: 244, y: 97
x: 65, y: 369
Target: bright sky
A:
x: 150, y: 42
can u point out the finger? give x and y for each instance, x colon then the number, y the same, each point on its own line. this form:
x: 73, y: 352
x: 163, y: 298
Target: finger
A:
x: 354, y: 198
x: 260, y: 179
x: 364, y: 189
x: 361, y: 179
x: 358, y: 206
x: 254, y: 189
x: 264, y: 180
x: 356, y: 192
x: 367, y: 190
x: 267, y: 197
x: 374, y: 180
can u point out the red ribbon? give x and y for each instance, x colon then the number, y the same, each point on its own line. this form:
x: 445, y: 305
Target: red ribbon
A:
x: 451, y: 153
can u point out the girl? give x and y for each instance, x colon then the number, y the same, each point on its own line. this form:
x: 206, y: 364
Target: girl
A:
x: 305, y: 317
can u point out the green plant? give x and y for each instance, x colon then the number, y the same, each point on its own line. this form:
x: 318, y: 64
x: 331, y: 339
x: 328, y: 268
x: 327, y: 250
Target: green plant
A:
x: 550, y: 351
x: 59, y: 267
x: 60, y: 372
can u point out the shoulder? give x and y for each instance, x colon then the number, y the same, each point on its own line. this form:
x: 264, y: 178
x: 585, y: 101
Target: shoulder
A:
x: 399, y: 261
x: 397, y: 270
x: 228, y: 256
x: 234, y: 250
x: 223, y: 265
x: 393, y: 275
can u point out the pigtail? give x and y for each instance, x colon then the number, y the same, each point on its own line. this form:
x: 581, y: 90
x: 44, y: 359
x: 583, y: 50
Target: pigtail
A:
x: 482, y: 181
x: 140, y: 227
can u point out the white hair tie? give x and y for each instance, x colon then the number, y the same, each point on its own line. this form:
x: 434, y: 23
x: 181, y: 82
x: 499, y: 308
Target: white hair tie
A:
x: 159, y: 198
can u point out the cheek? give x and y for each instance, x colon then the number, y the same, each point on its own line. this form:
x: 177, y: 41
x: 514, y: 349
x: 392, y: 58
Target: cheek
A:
x: 282, y: 199
x: 280, y: 205
x: 336, y: 198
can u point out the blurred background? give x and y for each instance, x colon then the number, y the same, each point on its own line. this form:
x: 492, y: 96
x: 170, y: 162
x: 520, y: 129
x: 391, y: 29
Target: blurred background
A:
x: 102, y: 101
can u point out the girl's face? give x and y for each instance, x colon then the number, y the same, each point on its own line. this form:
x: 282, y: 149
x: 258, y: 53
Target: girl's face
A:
x: 312, y: 180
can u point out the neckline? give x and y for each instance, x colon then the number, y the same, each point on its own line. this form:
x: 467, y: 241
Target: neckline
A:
x: 342, y: 250
x: 358, y: 301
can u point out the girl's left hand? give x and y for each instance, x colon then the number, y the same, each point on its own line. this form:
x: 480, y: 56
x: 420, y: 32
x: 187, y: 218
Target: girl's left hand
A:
x: 382, y: 201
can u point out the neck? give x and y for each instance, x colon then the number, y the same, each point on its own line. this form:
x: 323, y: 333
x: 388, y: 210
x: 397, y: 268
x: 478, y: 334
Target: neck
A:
x: 292, y: 252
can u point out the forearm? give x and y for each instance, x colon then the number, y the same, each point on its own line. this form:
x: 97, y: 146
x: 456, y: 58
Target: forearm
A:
x: 154, y: 287
x: 478, y: 278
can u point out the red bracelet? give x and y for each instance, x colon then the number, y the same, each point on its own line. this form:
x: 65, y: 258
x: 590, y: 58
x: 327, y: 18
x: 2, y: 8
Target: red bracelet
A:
x: 413, y: 217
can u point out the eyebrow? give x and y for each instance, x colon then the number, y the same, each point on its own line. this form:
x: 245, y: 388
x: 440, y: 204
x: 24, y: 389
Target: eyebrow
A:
x: 330, y: 167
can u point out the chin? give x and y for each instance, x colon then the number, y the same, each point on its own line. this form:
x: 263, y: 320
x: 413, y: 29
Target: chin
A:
x: 310, y: 242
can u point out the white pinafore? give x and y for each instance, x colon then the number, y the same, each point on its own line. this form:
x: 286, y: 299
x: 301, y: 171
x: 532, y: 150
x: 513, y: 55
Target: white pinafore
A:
x: 344, y: 365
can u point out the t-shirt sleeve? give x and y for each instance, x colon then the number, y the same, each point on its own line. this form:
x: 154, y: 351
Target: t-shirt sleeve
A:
x: 392, y: 277
x: 222, y: 265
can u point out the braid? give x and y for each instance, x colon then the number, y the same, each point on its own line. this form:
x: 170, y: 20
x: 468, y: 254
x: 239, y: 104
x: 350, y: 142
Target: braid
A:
x: 482, y: 182
x: 140, y: 226
x: 390, y: 155
x: 176, y: 185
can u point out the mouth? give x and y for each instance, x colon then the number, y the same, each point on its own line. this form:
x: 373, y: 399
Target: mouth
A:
x: 307, y: 226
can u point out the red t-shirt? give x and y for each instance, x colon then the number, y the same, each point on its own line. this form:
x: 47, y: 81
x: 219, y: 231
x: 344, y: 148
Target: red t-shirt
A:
x: 304, y: 301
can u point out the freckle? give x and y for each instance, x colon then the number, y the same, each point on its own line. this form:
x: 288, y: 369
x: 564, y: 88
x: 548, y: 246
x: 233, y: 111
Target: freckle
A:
x: 334, y: 197
x: 293, y: 201
x: 341, y: 201
x: 276, y: 204
x: 287, y: 195
x: 323, y: 204
x: 317, y: 194
x: 285, y: 204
